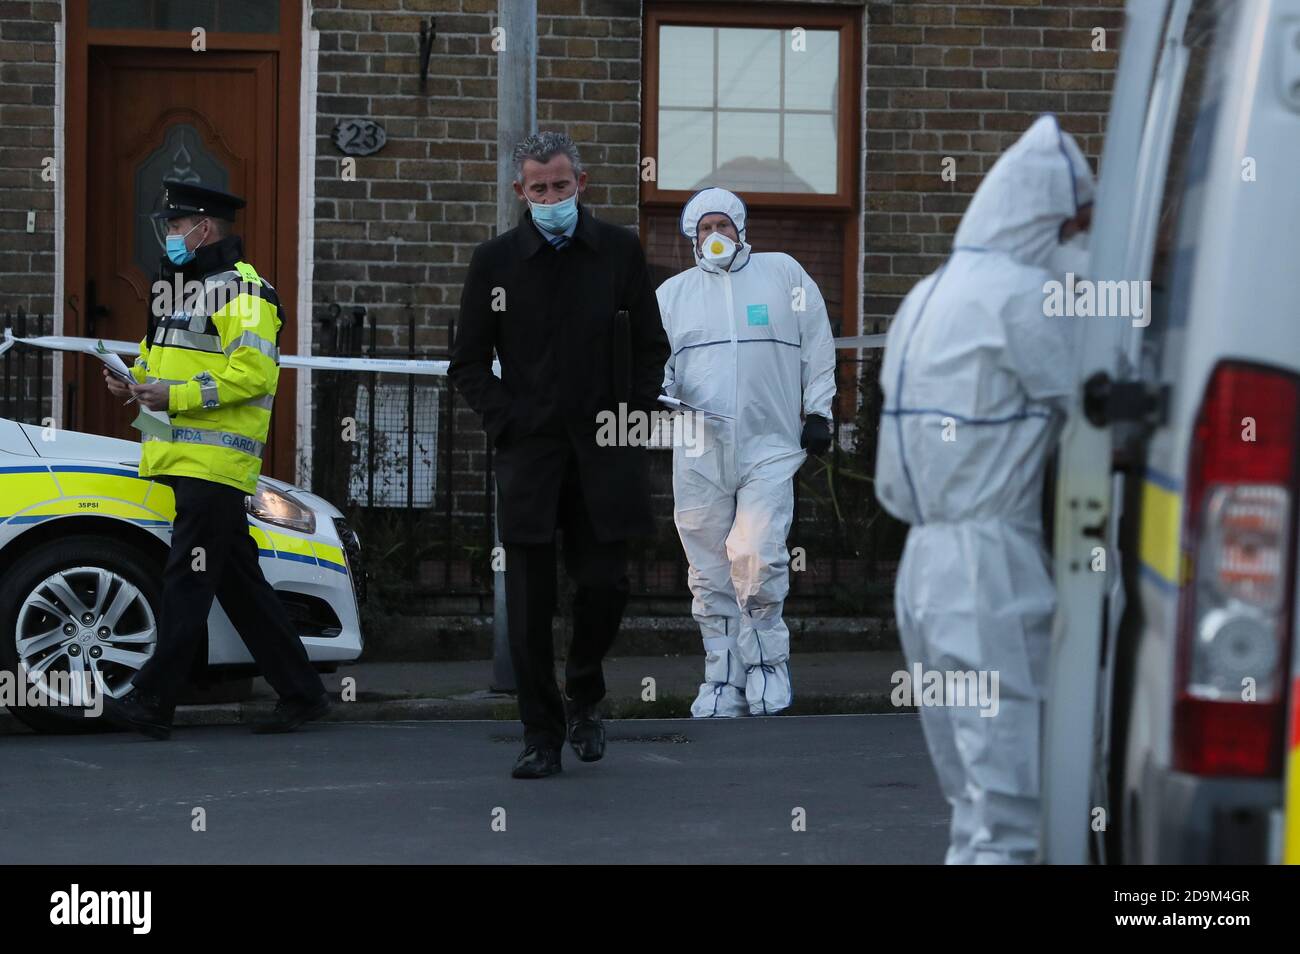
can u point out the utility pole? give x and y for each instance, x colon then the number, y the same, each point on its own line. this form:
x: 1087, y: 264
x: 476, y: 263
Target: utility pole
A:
x: 515, y: 43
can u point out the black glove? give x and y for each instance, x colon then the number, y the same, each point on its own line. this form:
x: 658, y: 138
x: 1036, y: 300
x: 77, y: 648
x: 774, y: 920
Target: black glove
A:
x: 816, y: 435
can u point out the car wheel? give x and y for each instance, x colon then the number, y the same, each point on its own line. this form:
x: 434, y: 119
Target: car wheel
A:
x: 80, y: 610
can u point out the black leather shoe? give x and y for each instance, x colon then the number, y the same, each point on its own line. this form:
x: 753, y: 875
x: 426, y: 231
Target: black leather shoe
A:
x: 537, y: 761
x: 291, y: 713
x: 141, y: 712
x: 586, y: 733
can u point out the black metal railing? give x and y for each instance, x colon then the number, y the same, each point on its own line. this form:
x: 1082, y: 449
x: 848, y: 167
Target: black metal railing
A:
x: 408, y: 460
x: 26, y: 389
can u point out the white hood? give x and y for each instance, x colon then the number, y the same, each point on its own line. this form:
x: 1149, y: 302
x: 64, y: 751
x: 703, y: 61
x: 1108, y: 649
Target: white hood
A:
x: 711, y: 201
x: 1041, y: 181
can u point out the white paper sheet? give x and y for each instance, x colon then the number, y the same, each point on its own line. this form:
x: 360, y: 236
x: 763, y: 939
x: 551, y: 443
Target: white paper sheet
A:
x: 114, y: 364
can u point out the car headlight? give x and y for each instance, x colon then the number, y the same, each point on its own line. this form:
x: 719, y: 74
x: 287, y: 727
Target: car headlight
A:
x: 280, y: 510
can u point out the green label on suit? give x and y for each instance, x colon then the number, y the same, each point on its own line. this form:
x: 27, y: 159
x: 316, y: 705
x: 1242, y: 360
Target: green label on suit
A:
x: 757, y: 314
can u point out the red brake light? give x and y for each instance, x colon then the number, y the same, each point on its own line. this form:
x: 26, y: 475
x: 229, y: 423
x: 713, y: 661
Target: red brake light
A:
x: 1238, y: 582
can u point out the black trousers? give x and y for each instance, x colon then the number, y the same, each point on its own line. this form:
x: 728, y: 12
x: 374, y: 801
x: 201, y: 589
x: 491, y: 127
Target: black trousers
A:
x: 211, y: 516
x: 599, y: 571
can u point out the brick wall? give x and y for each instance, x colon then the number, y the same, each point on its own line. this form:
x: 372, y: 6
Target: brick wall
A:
x: 26, y: 140
x: 964, y: 80
x: 405, y: 228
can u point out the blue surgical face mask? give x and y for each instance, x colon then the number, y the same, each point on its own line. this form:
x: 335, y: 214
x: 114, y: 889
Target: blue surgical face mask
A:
x: 556, y: 218
x: 176, y: 250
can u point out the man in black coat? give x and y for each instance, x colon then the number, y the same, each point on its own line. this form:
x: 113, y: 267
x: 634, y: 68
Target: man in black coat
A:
x: 568, y: 305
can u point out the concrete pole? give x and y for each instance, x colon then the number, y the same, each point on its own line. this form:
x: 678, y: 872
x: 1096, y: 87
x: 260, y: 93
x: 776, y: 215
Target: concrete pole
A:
x: 516, y: 44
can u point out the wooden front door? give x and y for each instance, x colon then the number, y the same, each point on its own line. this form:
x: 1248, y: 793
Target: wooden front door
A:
x: 224, y: 117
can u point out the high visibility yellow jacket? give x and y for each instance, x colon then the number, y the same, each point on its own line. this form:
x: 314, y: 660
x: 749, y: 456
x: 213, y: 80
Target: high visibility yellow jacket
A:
x: 219, y: 352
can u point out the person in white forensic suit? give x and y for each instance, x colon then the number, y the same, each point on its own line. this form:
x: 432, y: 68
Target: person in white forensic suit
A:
x: 976, y: 379
x: 750, y: 339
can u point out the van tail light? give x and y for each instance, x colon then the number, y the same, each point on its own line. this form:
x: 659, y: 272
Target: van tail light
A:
x: 1237, y: 596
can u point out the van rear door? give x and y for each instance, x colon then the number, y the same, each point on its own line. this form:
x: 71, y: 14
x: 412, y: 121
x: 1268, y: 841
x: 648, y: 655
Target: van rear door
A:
x: 1087, y: 557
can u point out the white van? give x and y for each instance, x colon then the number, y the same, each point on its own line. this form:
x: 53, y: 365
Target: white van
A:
x: 1176, y: 565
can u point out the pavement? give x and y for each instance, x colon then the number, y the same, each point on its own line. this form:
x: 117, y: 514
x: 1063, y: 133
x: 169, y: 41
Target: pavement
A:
x: 824, y: 683
x: 667, y: 791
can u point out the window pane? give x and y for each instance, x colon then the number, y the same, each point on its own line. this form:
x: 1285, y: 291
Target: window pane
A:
x: 811, y: 152
x: 762, y: 143
x: 749, y: 146
x: 811, y: 74
x: 219, y: 16
x: 749, y: 69
x: 685, y: 67
x: 685, y: 148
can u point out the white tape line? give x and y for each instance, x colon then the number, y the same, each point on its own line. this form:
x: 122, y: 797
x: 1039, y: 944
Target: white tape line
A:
x: 326, y: 363
x: 392, y: 365
x: 318, y: 362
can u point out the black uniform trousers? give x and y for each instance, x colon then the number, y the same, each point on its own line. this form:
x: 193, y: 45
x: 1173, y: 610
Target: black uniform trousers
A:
x: 212, y: 517
x: 599, y: 571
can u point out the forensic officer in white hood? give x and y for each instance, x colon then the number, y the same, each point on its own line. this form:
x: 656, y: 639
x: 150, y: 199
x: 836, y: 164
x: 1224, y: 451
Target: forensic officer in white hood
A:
x: 976, y: 378
x: 750, y: 339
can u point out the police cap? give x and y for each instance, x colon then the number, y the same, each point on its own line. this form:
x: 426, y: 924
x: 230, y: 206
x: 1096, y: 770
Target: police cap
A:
x: 190, y: 198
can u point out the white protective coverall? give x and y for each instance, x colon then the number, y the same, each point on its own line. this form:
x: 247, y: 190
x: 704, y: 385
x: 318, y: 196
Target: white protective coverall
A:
x: 975, y: 379
x: 753, y: 342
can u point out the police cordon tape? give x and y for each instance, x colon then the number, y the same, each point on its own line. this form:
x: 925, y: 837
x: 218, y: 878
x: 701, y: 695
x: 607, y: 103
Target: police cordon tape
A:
x: 316, y: 362
x: 320, y: 362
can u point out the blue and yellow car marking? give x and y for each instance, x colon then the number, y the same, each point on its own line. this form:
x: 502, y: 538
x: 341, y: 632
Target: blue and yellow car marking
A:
x: 1159, y: 554
x: 26, y: 487
x: 38, y: 493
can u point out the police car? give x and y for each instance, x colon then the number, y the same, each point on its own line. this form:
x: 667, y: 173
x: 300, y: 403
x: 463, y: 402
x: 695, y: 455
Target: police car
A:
x: 83, y: 539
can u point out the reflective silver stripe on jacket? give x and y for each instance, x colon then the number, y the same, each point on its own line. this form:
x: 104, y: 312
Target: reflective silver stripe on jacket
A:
x: 265, y: 402
x: 190, y: 339
x: 207, y: 390
x: 210, y: 438
x: 252, y: 339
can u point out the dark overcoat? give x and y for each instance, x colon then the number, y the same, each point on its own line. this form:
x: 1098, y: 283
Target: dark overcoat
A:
x: 553, y: 318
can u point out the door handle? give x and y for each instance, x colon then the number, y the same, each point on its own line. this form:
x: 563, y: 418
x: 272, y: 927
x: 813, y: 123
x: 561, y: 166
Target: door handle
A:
x: 1106, y: 401
x: 94, y: 309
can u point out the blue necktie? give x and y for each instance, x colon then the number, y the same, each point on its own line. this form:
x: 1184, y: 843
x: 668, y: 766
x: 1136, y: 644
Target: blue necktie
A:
x: 559, y: 241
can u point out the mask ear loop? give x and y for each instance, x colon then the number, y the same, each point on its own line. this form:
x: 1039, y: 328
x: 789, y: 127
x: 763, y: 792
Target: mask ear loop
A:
x: 196, y: 225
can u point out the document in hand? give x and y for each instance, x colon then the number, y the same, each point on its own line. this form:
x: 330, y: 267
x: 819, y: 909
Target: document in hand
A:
x: 114, y: 364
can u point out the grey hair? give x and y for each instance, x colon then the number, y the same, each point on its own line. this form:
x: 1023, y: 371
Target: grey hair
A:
x: 541, y: 147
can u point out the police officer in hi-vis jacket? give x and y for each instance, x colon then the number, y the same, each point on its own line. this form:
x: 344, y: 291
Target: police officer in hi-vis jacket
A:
x: 210, y: 360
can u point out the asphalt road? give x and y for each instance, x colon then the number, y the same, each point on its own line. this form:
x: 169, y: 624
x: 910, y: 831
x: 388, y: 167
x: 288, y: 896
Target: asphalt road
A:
x: 430, y: 792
